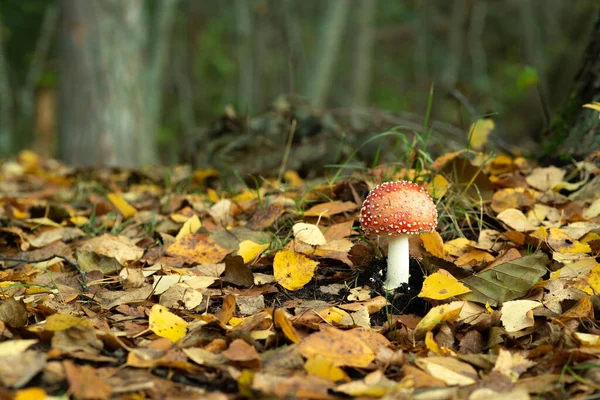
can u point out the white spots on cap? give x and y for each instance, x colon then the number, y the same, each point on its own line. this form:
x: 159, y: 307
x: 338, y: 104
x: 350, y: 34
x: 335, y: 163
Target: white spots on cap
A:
x: 398, y: 208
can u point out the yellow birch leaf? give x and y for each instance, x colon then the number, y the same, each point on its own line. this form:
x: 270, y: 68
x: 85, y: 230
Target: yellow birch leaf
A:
x: 124, y: 208
x: 458, y: 246
x: 212, y: 195
x: 437, y: 316
x: 61, y: 322
x: 333, y: 315
x: 293, y: 270
x: 293, y: 178
x: 321, y: 366
x: 286, y: 326
x: 438, y: 187
x: 590, y: 282
x: 479, y: 133
x: 166, y: 324
x: 439, y: 286
x: 79, y: 220
x: 594, y: 106
x: 250, y: 250
x: 433, y: 243
x: 190, y: 226
x: 341, y: 348
x: 563, y: 243
x: 34, y: 393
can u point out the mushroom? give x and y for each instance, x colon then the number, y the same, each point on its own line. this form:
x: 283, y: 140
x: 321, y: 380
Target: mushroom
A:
x: 398, y: 209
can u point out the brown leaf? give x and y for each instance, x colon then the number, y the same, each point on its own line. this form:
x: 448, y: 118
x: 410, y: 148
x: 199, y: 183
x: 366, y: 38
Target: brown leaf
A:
x: 332, y: 208
x: 84, y: 382
x: 13, y: 313
x: 237, y: 273
x: 197, y: 248
x: 242, y: 353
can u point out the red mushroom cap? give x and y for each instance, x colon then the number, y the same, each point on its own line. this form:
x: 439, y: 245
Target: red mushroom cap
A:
x: 398, y: 208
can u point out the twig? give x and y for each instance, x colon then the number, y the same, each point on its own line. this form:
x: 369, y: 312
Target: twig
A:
x: 81, y: 272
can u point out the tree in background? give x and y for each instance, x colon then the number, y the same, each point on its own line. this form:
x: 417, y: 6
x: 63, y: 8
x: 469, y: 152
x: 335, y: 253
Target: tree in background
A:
x: 576, y: 130
x: 112, y: 54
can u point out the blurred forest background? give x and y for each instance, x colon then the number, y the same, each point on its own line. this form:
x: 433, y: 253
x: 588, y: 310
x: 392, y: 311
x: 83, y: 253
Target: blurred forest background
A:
x: 137, y: 82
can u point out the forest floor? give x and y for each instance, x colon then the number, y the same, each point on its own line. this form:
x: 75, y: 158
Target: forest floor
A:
x: 157, y: 284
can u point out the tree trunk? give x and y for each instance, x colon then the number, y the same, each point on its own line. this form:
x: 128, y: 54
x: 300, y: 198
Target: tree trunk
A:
x: 6, y: 105
x: 576, y: 130
x: 110, y: 84
x: 332, y: 27
x: 363, y: 56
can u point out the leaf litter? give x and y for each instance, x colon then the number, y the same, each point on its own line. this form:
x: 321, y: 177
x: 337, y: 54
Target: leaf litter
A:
x: 168, y: 287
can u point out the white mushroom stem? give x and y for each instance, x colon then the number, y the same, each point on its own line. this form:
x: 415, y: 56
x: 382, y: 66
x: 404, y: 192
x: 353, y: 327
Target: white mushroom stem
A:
x: 398, y: 262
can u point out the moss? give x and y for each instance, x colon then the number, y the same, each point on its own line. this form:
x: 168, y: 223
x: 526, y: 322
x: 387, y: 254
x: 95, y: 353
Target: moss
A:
x: 562, y: 123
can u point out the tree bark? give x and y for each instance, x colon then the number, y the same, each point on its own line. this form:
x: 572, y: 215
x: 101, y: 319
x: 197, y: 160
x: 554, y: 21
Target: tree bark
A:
x: 6, y: 105
x: 332, y: 28
x: 363, y: 56
x: 575, y: 131
x: 110, y: 85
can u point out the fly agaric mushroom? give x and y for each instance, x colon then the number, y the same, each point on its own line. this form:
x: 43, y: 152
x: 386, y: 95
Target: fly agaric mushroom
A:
x: 398, y: 209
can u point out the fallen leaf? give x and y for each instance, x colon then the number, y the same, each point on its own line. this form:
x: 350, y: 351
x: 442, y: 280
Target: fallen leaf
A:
x: 192, y: 225
x: 332, y: 208
x: 197, y: 248
x: 449, y: 370
x: 308, y: 233
x: 433, y: 243
x: 437, y: 316
x: 516, y: 220
x: 339, y: 347
x: 321, y: 366
x: 122, y: 206
x: 439, y: 286
x: 506, y: 281
x: 250, y: 250
x: 293, y: 270
x: 166, y: 324
x: 517, y: 314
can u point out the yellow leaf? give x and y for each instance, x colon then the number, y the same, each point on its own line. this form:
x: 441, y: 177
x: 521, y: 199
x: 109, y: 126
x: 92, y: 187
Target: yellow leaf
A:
x: 341, y: 348
x: 124, y: 208
x: 34, y: 393
x: 286, y: 326
x: 293, y: 178
x: 432, y: 345
x: 18, y: 214
x: 201, y: 175
x: 166, y: 324
x: 61, y: 322
x: 437, y: 316
x: 250, y: 250
x: 474, y: 257
x: 594, y: 106
x: 501, y: 164
x: 333, y: 315
x: 563, y: 243
x: 440, y: 286
x: 458, y: 246
x: 438, y: 187
x: 321, y: 366
x: 433, y: 243
x: 190, y: 226
x: 590, y: 282
x: 79, y: 220
x: 293, y: 270
x: 212, y: 195
x: 479, y: 132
